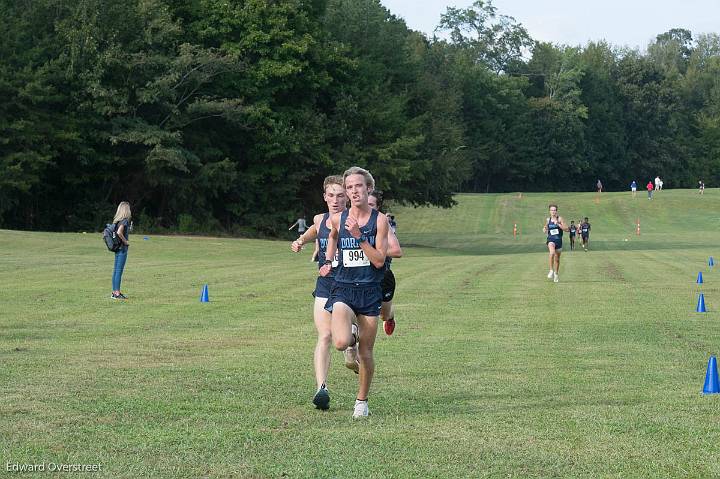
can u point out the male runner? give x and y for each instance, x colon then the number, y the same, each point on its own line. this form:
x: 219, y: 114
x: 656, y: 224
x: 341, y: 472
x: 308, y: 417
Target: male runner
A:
x: 335, y: 198
x: 388, y: 284
x: 554, y: 227
x: 573, y: 231
x: 359, y: 235
x: 585, y: 234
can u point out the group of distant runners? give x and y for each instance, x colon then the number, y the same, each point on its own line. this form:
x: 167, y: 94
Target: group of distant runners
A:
x: 554, y: 227
x: 658, y: 186
x: 355, y: 245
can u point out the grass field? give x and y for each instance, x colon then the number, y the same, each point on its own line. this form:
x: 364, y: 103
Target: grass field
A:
x: 492, y: 372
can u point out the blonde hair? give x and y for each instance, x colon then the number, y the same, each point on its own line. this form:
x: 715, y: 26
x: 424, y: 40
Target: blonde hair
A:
x: 356, y: 170
x: 332, y: 180
x: 123, y: 212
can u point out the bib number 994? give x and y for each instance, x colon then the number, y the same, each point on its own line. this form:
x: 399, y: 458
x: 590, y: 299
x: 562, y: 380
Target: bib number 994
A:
x: 354, y: 258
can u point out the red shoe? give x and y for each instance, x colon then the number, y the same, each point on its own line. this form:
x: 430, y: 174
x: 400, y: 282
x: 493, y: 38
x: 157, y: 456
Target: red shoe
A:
x: 389, y: 326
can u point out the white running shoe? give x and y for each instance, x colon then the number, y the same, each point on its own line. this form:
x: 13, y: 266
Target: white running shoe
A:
x: 556, y: 278
x: 550, y: 274
x: 352, y: 361
x: 361, y: 409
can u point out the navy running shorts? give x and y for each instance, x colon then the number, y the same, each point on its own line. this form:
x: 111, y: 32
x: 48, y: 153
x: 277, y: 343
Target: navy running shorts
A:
x: 388, y: 286
x: 323, y: 285
x: 362, y: 298
x: 558, y: 244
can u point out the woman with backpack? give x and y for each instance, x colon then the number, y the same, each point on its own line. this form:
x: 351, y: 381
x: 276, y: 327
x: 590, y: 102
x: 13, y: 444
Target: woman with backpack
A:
x: 122, y: 227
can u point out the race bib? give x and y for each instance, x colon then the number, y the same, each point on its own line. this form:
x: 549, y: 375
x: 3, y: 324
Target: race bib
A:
x: 554, y: 232
x: 354, y: 258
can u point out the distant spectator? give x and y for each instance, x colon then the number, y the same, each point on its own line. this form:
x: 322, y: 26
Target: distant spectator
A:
x: 301, y: 225
x: 633, y: 188
x: 122, y: 222
x: 701, y: 187
x: 657, y: 183
x: 661, y: 184
x: 598, y: 185
x: 650, y: 189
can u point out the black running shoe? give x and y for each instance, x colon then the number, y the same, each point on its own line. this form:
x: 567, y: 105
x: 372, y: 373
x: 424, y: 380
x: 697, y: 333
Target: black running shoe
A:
x: 322, y: 399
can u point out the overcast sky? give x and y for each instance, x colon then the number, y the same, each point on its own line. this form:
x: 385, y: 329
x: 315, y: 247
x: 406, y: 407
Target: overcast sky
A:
x: 631, y: 23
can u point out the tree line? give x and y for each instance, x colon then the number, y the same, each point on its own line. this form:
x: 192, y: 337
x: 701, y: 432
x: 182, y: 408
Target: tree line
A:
x: 222, y: 115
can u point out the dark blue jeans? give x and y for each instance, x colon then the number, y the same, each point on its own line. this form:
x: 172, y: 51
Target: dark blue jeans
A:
x: 120, y: 258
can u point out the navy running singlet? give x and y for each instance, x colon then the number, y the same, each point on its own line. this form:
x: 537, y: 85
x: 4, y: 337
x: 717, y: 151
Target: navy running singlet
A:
x: 354, y: 266
x: 585, y: 229
x: 323, y: 234
x: 554, y: 231
x: 573, y: 229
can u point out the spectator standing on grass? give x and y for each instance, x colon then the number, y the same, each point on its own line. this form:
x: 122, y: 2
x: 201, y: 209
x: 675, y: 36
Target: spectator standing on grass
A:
x: 301, y: 225
x: 650, y: 189
x: 122, y: 226
x: 633, y: 188
x: 598, y: 185
x: 701, y: 187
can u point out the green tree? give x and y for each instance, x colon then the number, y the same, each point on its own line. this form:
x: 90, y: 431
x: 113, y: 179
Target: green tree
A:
x: 496, y: 41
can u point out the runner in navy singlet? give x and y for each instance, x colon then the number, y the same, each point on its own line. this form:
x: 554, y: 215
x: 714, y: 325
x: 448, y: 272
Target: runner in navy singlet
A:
x: 336, y: 200
x: 388, y: 284
x: 585, y: 234
x: 359, y: 235
x: 554, y: 227
x: 573, y: 231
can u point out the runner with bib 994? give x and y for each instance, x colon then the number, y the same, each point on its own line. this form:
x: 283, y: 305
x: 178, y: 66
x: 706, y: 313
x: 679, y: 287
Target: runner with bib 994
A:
x: 360, y: 236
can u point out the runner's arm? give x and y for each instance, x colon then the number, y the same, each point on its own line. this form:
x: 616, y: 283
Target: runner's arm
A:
x: 394, y: 250
x: 316, y: 250
x: 331, y: 250
x: 377, y: 254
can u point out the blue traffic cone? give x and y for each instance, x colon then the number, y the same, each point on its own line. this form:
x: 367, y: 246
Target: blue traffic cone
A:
x: 712, y: 385
x: 701, y: 304
x: 204, y: 297
x: 711, y: 263
x: 700, y: 280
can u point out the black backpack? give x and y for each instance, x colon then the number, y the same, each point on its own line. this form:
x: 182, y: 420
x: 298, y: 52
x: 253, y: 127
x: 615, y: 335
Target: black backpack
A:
x: 111, y: 238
